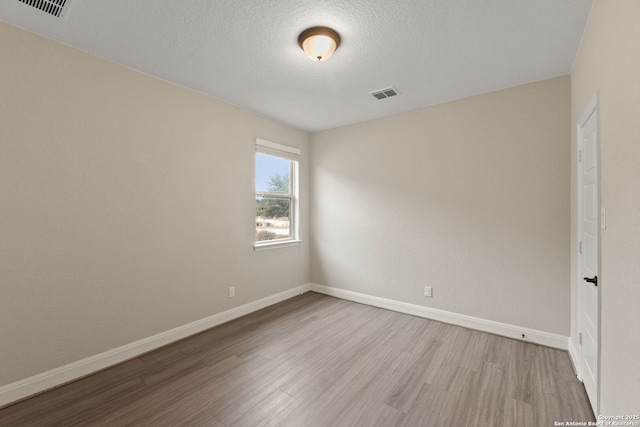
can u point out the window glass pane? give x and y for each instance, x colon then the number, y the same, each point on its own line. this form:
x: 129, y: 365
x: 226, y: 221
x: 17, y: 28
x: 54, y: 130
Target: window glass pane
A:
x: 272, y: 218
x: 272, y: 174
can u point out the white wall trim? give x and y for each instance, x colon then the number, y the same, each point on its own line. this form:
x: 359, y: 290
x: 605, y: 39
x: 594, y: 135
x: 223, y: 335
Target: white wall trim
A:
x: 56, y: 377
x: 47, y: 380
x: 538, y: 337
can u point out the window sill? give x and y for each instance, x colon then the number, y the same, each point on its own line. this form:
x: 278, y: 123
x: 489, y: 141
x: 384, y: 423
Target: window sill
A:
x: 275, y: 245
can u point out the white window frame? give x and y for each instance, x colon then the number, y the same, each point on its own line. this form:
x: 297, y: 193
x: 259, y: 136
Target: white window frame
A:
x: 288, y: 153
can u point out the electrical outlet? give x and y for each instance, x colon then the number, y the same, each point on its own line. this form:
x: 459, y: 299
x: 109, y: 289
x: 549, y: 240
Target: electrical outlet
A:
x: 428, y: 291
x: 232, y: 291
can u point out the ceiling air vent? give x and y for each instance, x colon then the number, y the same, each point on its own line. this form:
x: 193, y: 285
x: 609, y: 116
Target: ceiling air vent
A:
x: 385, y: 93
x: 52, y: 7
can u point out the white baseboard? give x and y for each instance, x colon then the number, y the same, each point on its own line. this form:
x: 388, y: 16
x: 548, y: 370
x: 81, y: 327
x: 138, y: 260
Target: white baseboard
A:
x: 498, y: 328
x: 47, y: 380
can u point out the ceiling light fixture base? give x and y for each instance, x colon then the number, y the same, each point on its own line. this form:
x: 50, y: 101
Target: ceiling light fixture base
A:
x: 319, y: 43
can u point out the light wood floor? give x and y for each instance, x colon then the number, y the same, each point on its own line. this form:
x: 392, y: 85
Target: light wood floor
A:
x: 319, y: 361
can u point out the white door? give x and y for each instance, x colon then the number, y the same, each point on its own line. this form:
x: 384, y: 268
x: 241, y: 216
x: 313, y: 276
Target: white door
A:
x: 589, y: 212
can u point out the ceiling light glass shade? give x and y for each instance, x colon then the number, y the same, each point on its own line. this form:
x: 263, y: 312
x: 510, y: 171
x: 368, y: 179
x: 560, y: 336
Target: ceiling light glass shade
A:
x: 319, y: 43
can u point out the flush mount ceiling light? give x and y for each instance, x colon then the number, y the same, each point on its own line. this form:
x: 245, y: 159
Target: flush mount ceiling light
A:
x: 319, y: 43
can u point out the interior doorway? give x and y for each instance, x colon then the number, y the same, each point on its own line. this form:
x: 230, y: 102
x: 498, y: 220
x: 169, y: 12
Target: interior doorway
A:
x: 589, y: 283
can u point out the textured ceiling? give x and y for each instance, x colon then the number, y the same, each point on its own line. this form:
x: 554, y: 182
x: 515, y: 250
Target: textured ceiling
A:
x: 246, y: 52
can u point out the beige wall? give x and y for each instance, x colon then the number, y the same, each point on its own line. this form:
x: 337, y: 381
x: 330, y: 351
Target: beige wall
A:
x: 608, y: 61
x: 126, y: 206
x: 470, y: 197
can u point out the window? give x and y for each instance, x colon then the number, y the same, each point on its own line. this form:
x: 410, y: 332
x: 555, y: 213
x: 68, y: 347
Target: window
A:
x: 276, y: 195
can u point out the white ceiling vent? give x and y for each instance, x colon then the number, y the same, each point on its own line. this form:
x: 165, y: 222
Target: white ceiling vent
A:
x: 385, y: 93
x: 52, y: 7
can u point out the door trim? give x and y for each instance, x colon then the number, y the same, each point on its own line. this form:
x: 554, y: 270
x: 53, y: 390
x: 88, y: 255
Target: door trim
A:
x: 590, y: 109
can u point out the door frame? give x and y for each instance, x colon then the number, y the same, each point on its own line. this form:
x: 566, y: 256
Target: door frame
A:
x: 590, y: 109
